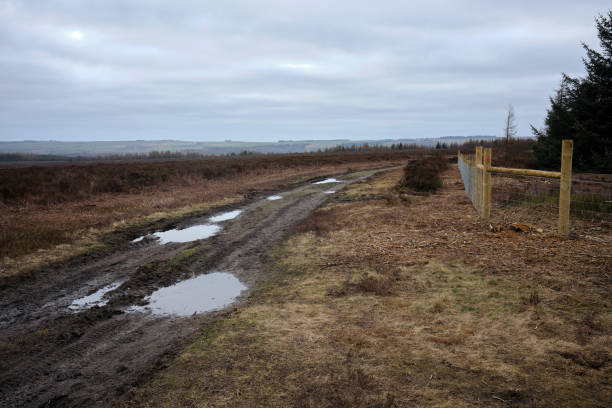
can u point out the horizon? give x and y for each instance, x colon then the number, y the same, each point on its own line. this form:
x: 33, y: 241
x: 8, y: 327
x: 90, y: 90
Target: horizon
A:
x: 265, y: 141
x: 187, y: 71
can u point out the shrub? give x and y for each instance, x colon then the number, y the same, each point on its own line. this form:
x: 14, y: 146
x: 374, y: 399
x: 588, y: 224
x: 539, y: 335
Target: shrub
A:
x: 423, y: 174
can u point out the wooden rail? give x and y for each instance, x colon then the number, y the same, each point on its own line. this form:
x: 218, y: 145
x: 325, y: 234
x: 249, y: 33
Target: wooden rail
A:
x: 527, y: 172
x: 481, y: 185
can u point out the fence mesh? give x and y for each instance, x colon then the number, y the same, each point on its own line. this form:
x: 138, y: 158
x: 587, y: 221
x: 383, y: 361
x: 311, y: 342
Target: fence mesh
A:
x: 592, y: 201
x: 525, y: 199
x: 471, y: 175
x: 518, y: 198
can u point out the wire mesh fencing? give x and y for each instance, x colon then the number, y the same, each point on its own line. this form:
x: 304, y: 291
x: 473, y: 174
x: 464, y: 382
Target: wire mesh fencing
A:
x: 470, y: 175
x: 536, y: 197
x: 592, y: 200
x: 589, y: 200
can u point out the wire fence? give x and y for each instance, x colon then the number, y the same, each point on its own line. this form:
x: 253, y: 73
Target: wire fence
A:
x: 470, y: 175
x: 589, y: 201
x: 523, y: 198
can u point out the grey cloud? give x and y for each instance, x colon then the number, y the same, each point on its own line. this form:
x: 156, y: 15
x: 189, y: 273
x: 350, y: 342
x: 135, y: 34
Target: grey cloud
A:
x: 272, y: 70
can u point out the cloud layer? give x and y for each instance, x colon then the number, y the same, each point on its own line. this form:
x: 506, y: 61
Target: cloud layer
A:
x: 268, y: 70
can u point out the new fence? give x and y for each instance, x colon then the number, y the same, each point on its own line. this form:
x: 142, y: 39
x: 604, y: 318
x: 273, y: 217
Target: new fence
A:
x: 536, y: 193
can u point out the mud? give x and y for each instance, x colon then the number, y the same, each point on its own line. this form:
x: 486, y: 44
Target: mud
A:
x: 52, y: 355
x: 95, y: 299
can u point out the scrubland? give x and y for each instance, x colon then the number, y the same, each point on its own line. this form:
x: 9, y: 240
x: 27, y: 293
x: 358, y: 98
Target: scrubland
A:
x: 391, y: 294
x: 48, y: 213
x: 384, y: 298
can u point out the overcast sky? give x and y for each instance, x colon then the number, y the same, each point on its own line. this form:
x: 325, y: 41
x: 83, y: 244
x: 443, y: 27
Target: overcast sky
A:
x: 269, y: 70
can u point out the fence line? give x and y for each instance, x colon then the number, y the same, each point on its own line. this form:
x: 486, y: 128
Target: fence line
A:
x: 476, y: 170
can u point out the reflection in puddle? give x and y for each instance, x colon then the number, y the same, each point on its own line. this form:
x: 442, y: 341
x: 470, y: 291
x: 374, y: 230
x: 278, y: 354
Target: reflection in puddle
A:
x: 329, y: 191
x: 95, y: 299
x: 196, y: 295
x: 274, y: 197
x: 329, y: 180
x: 187, y: 234
x: 225, y: 216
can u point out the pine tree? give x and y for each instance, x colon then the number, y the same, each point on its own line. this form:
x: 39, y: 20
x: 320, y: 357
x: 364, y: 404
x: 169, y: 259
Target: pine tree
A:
x: 582, y: 111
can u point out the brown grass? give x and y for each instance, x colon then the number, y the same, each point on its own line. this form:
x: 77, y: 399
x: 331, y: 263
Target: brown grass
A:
x: 320, y: 222
x: 473, y: 318
x: 39, y: 223
x: 55, y: 184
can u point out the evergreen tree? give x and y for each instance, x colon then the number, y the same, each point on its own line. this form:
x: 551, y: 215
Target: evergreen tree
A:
x: 582, y: 111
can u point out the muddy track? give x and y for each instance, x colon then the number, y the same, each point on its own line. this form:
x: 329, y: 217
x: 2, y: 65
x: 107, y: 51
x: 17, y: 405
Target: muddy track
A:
x: 50, y: 356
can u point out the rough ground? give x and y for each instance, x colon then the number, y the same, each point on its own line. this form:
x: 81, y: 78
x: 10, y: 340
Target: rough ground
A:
x: 384, y: 302
x: 52, y: 357
x: 38, y: 230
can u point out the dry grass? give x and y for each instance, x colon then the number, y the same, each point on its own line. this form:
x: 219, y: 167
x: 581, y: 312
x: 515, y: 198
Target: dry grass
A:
x: 466, y: 318
x: 39, y: 185
x: 33, y: 232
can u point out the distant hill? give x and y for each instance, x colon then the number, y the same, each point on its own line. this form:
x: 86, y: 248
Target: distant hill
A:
x: 101, y: 148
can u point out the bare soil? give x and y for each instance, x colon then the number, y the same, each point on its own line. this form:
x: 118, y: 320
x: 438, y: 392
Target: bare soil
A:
x: 50, y: 356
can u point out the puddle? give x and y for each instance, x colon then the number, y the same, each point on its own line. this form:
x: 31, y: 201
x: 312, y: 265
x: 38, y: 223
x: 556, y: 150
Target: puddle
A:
x: 225, y: 216
x: 274, y: 197
x: 196, y: 295
x: 95, y: 299
x: 329, y: 191
x: 187, y: 234
x: 329, y: 180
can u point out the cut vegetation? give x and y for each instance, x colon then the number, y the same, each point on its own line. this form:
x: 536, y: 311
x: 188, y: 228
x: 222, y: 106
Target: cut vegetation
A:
x: 379, y: 302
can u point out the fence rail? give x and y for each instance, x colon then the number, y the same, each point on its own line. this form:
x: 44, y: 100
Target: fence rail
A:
x: 476, y: 171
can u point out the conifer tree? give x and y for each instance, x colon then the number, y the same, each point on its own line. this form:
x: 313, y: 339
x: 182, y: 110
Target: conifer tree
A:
x: 582, y: 111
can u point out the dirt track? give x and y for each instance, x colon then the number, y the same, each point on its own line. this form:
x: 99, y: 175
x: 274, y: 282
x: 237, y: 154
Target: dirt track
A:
x: 50, y: 356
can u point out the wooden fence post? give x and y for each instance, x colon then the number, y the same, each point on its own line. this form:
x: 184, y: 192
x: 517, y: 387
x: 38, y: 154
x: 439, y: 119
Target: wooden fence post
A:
x: 566, y: 186
x: 478, y: 181
x: 486, y: 184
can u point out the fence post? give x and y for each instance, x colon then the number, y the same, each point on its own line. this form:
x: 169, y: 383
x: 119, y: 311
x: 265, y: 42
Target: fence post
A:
x: 478, y: 181
x: 566, y: 186
x: 486, y: 184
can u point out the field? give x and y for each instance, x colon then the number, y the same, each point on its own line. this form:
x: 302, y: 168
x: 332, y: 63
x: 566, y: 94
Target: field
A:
x: 48, y: 213
x: 386, y: 291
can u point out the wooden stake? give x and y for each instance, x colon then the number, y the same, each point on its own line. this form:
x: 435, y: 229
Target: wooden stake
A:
x: 486, y: 184
x: 566, y: 186
x: 478, y: 181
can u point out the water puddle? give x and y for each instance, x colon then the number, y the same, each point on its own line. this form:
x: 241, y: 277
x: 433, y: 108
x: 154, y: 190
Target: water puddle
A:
x: 185, y: 235
x: 230, y: 215
x: 329, y: 180
x: 95, y: 299
x: 329, y: 191
x: 196, y: 295
x: 274, y: 197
